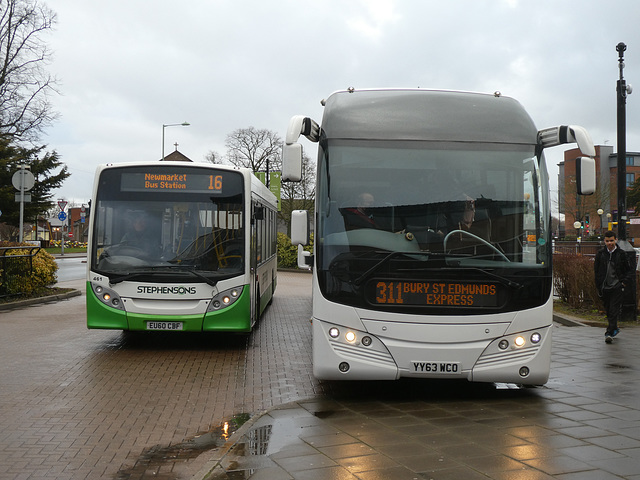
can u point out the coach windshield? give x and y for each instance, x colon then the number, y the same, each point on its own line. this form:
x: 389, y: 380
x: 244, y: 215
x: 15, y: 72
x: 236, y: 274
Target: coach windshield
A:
x: 412, y: 209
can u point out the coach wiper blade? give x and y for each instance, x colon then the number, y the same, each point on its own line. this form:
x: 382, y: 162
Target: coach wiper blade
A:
x: 368, y: 273
x: 500, y: 278
x: 504, y: 280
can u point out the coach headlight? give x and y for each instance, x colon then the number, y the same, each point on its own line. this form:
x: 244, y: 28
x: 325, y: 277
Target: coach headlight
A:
x: 107, y: 296
x: 224, y: 299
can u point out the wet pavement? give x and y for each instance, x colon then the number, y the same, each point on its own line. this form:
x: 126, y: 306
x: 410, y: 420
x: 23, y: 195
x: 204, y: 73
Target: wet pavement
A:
x: 80, y: 404
x: 584, y: 424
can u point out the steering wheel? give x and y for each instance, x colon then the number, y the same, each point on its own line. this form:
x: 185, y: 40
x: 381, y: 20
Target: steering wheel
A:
x: 475, y: 237
x: 124, y: 250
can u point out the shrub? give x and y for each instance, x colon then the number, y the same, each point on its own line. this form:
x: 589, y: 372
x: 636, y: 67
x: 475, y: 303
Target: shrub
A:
x: 288, y: 253
x: 573, y: 280
x: 25, y: 276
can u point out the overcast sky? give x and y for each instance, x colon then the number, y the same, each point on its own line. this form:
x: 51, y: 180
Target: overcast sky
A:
x: 128, y: 67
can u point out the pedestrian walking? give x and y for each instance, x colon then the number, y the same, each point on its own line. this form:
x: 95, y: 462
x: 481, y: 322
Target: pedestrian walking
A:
x: 612, y: 274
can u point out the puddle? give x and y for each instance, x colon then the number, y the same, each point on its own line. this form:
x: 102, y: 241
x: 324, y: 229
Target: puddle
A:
x: 256, y: 442
x: 152, y: 460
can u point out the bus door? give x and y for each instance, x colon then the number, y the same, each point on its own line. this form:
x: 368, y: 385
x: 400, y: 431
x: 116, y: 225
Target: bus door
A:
x: 253, y: 263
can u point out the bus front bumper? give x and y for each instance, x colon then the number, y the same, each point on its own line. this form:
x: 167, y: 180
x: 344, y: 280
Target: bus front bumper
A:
x: 341, y: 353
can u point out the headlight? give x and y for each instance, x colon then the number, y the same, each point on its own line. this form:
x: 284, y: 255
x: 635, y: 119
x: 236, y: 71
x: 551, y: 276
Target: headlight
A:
x: 224, y: 299
x: 107, y: 296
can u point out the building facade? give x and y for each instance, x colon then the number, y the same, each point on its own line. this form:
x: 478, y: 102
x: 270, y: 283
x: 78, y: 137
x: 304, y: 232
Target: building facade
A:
x: 598, y: 212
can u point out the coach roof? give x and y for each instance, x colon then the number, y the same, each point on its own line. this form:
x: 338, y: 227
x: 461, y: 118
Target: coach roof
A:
x: 416, y: 114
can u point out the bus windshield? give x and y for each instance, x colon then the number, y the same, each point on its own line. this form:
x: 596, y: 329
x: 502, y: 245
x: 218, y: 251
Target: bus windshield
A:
x: 428, y: 205
x: 186, y: 223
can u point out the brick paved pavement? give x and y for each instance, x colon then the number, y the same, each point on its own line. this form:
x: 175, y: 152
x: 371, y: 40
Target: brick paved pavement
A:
x: 96, y: 404
x: 78, y: 403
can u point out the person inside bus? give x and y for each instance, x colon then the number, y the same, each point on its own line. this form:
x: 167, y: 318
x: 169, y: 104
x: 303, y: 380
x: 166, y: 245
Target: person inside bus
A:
x: 361, y: 215
x: 459, y: 215
x: 140, y: 236
x: 463, y: 217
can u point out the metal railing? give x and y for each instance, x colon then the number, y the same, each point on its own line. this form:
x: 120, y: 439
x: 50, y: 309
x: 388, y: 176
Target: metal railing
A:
x: 576, y: 248
x: 33, y: 251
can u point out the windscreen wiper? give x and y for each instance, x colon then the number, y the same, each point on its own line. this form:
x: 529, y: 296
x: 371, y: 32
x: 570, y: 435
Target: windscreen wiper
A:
x: 500, y: 278
x: 155, y: 270
x: 368, y: 273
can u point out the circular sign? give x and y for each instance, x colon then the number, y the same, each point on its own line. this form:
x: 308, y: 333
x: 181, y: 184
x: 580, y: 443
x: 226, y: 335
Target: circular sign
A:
x: 23, y: 180
x: 62, y: 216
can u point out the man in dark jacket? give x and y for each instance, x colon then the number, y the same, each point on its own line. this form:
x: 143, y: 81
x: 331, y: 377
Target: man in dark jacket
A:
x: 612, y: 273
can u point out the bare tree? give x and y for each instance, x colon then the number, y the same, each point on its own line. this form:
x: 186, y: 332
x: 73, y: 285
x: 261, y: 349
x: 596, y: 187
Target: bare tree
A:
x: 259, y: 150
x: 579, y: 207
x: 24, y: 83
x: 299, y: 195
x: 213, y: 157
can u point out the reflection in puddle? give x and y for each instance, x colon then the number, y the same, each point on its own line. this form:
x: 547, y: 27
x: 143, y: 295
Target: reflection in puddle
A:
x: 258, y: 440
x: 153, y: 459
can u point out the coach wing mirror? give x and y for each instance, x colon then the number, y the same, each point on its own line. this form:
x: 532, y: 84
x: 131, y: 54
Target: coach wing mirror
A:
x: 300, y: 236
x: 585, y: 175
x: 292, y: 150
x: 292, y: 162
x: 300, y: 227
x: 550, y: 137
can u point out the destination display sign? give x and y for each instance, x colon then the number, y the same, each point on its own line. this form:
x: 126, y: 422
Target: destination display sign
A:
x: 186, y: 182
x: 437, y: 293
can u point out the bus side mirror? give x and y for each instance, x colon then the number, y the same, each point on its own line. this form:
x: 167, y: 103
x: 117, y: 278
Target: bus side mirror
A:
x: 300, y: 227
x: 292, y: 162
x: 300, y: 236
x: 585, y: 175
x: 304, y: 258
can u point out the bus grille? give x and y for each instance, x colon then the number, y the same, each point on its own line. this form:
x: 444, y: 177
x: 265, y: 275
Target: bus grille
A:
x: 507, y: 357
x: 360, y: 353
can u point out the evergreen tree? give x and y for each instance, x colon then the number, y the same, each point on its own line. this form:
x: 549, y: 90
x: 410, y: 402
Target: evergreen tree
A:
x: 49, y: 173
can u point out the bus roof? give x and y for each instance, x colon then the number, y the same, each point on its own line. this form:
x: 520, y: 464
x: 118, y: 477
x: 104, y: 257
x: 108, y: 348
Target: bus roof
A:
x: 418, y: 114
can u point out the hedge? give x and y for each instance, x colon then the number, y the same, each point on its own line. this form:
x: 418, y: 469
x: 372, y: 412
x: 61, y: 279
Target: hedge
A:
x: 288, y: 253
x: 19, y: 278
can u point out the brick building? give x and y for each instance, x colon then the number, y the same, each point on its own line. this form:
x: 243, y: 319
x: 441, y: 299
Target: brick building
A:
x: 585, y: 209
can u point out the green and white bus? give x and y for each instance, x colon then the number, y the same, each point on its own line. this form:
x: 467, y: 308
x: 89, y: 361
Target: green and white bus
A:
x: 432, y: 253
x: 180, y: 246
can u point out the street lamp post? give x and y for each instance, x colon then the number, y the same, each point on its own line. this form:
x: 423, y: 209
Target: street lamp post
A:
x: 183, y: 124
x: 600, y: 212
x: 622, y: 91
x: 629, y: 302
